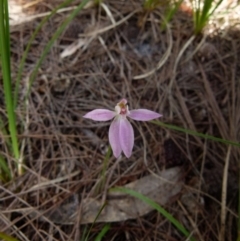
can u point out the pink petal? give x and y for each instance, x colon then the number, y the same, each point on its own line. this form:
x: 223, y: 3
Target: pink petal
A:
x: 114, y: 137
x: 143, y: 115
x: 100, y: 115
x: 126, y: 135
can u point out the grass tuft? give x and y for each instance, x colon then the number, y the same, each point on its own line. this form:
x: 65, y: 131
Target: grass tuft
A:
x: 203, y: 10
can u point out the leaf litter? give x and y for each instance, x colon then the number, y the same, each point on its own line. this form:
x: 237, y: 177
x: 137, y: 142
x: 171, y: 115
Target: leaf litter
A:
x: 160, y: 188
x: 64, y: 154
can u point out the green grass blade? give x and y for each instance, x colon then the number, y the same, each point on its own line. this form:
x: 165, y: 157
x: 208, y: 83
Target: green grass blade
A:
x: 148, y: 4
x: 7, y: 33
x: 206, y: 9
x: 33, y: 36
x: 5, y: 173
x: 52, y: 40
x: 99, y: 212
x: 6, y: 69
x: 4, y: 133
x: 201, y: 15
x: 170, y: 12
x: 83, y: 234
x: 102, y: 233
x: 6, y: 237
x: 216, y: 6
x: 4, y: 169
x: 195, y: 133
x: 102, y: 181
x: 206, y: 12
x: 154, y: 205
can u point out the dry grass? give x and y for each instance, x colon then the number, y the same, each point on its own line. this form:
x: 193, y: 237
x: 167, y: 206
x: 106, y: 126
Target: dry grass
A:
x: 64, y: 153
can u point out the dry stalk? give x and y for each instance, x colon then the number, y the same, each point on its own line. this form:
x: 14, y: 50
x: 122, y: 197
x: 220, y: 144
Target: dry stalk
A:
x: 224, y: 197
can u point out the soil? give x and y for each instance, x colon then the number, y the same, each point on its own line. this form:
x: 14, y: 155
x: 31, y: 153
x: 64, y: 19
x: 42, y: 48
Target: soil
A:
x: 194, y: 86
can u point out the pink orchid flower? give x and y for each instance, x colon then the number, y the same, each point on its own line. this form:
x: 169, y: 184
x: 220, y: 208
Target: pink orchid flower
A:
x: 121, y: 135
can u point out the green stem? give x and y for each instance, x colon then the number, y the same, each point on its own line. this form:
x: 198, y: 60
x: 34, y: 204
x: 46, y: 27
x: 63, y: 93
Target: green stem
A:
x: 195, y: 133
x: 6, y: 70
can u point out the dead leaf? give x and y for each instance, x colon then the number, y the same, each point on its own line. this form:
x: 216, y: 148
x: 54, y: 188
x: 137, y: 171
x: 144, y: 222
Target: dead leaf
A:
x: 119, y: 206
